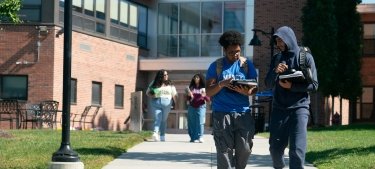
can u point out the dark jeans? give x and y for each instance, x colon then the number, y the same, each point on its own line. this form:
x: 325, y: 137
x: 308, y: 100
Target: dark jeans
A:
x: 288, y: 126
x: 233, y: 134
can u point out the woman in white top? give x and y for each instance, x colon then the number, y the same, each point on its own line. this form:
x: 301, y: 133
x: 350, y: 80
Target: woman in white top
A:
x: 162, y: 91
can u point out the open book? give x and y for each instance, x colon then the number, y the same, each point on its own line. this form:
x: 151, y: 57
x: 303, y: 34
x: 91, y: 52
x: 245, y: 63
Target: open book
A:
x: 245, y: 82
x: 295, y: 76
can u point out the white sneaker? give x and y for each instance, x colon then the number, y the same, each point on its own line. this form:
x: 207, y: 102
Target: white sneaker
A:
x: 155, y: 137
x: 162, y: 138
x: 201, y: 140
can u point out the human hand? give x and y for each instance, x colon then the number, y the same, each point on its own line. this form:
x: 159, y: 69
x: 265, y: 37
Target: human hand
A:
x: 281, y: 67
x: 225, y: 82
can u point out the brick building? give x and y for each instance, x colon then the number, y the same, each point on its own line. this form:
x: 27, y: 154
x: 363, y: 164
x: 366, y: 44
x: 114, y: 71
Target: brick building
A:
x: 118, y: 45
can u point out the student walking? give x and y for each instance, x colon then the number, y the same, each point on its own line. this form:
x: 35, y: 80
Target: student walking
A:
x: 196, y: 99
x: 162, y: 93
x: 233, y: 125
x: 291, y: 101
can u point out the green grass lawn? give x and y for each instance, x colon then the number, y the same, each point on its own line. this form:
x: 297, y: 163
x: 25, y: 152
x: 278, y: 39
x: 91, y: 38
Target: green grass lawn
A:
x: 33, y: 149
x: 341, y: 147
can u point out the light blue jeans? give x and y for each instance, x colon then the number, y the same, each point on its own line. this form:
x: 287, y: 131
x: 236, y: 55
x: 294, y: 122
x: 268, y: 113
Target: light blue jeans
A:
x: 160, y: 107
x: 196, y: 120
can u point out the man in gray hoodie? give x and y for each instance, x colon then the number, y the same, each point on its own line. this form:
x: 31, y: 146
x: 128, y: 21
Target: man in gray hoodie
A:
x: 291, y: 100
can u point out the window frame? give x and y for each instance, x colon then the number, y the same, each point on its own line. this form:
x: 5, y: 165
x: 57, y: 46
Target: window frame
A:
x: 73, y: 90
x: 100, y: 94
x: 2, y: 87
x: 121, y: 101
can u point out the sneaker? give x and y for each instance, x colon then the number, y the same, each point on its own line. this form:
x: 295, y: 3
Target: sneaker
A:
x: 162, y: 138
x: 201, y: 140
x: 155, y: 137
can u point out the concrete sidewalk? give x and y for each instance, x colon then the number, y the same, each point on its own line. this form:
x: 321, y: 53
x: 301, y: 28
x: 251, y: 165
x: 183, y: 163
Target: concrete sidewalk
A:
x: 178, y: 152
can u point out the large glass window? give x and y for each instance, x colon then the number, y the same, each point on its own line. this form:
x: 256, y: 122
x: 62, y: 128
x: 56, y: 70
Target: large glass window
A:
x: 119, y: 96
x: 192, y: 29
x: 369, y: 39
x: 142, y: 26
x: 133, y: 16
x: 124, y: 6
x: 100, y: 9
x: 14, y: 87
x: 96, y: 93
x: 234, y: 16
x: 77, y: 6
x: 212, y: 17
x: 89, y: 7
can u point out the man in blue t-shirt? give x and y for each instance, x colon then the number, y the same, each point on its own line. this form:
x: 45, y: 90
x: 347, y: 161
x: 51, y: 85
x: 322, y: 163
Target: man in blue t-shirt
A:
x: 233, y: 125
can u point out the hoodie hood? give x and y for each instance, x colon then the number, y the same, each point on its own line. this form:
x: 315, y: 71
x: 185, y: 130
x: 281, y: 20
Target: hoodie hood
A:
x: 289, y: 38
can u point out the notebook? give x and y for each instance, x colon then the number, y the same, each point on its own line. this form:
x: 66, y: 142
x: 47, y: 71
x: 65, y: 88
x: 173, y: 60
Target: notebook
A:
x: 295, y: 76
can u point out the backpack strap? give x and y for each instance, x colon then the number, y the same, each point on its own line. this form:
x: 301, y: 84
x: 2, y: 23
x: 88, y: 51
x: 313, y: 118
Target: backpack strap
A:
x: 219, y: 66
x: 306, y: 70
x: 243, y: 65
x: 302, y: 57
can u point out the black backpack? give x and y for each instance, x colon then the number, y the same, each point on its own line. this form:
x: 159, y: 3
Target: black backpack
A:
x: 306, y: 70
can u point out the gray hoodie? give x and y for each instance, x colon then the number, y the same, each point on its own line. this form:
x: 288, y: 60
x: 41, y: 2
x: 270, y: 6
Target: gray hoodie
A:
x: 297, y: 96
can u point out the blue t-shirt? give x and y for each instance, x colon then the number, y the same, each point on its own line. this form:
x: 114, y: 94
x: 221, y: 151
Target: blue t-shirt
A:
x: 227, y: 100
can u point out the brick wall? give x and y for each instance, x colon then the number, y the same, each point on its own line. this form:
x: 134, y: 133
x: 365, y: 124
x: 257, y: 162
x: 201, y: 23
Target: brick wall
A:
x: 93, y: 59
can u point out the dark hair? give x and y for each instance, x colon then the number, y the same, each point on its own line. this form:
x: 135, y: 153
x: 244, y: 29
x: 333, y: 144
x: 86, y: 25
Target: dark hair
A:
x: 159, y: 79
x: 202, y: 82
x: 231, y: 38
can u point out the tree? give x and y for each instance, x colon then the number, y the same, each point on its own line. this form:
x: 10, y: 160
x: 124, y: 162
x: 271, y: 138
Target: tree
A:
x: 320, y: 35
x: 349, y: 48
x: 9, y: 10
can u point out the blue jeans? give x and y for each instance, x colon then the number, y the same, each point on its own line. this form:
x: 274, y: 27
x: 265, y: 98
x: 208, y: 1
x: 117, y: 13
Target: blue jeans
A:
x: 196, y: 120
x: 160, y: 107
x: 288, y: 126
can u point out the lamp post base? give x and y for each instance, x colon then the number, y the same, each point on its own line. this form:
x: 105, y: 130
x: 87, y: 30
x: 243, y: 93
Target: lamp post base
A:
x: 66, y: 165
x: 65, y: 154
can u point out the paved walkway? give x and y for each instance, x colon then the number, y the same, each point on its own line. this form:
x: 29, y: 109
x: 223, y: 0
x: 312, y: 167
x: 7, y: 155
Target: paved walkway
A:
x: 178, y: 152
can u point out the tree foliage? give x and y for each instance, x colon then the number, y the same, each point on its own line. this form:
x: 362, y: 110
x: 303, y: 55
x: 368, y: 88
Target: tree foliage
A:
x: 349, y: 48
x: 332, y: 30
x: 320, y: 35
x: 9, y: 11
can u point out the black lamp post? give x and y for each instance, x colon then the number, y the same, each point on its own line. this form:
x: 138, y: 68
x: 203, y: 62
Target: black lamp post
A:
x: 65, y: 152
x: 256, y: 42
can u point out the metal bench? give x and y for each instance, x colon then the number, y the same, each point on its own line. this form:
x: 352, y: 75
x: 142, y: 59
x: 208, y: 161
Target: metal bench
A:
x: 10, y: 111
x: 87, y: 116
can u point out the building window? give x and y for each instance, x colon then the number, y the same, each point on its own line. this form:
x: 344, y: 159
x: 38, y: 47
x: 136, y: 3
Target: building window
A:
x: 369, y: 39
x: 88, y: 15
x: 142, y: 26
x: 73, y: 91
x: 30, y: 11
x: 119, y: 96
x: 367, y: 102
x: 14, y: 87
x: 125, y: 20
x: 192, y: 29
x: 96, y: 93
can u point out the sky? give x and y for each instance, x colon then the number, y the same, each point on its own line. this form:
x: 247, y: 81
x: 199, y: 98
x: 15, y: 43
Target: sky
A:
x: 368, y: 1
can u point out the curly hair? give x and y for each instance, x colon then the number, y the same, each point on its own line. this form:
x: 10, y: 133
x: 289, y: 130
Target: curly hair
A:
x: 231, y: 38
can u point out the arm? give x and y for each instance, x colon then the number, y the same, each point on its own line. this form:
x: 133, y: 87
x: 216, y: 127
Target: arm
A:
x: 212, y: 88
x: 308, y: 87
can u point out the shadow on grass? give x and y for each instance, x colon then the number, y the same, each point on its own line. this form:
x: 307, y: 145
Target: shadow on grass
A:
x: 368, y: 126
x: 112, y: 151
x: 331, y: 154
